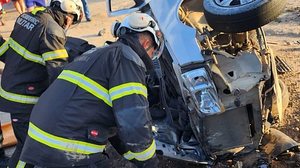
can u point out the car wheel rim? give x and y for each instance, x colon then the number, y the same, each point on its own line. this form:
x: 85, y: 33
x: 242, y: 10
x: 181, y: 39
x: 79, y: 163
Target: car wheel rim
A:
x: 229, y: 3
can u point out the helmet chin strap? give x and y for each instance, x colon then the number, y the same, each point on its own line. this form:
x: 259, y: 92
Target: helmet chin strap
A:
x: 68, y: 22
x: 158, y: 52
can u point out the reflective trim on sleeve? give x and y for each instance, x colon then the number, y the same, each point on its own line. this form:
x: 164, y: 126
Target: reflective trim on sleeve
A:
x: 126, y: 89
x: 25, y: 53
x: 55, y: 54
x: 142, y: 156
x: 21, y: 164
x: 37, y: 9
x: 62, y: 143
x: 18, y: 97
x: 87, y: 84
x: 3, y: 47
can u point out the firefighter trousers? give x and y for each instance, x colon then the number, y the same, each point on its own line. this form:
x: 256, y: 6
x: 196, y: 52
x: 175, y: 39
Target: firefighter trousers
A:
x: 20, y: 122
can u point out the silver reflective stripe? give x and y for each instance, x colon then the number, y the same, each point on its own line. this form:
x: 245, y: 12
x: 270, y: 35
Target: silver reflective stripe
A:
x: 3, y: 48
x: 142, y: 156
x: 25, y: 53
x: 61, y: 143
x: 87, y: 84
x: 127, y: 89
x: 18, y: 97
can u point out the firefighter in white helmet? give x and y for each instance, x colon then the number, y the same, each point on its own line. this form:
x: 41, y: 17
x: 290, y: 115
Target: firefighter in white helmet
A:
x: 34, y: 55
x: 98, y: 98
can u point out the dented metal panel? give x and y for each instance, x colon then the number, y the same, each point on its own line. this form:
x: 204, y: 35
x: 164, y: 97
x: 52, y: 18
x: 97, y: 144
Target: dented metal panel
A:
x: 228, y: 130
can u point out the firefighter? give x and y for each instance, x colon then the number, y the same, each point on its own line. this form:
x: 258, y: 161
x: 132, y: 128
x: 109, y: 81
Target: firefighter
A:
x: 2, y: 42
x: 3, y: 158
x: 35, y: 55
x: 99, y: 97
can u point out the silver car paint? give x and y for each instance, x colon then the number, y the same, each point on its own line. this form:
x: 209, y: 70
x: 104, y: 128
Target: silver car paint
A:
x: 180, y: 39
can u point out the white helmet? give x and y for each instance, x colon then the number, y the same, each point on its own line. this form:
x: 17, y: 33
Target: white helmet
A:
x: 74, y: 7
x: 137, y: 22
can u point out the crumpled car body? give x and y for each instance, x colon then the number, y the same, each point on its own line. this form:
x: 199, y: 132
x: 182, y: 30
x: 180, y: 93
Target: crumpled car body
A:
x: 214, y: 94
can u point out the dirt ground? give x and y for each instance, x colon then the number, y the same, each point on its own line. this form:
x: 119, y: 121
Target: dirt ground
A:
x: 283, y: 35
x: 284, y: 38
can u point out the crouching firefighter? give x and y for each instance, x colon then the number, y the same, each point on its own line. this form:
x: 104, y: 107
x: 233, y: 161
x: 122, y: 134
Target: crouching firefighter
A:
x: 99, y: 97
x: 3, y: 158
x: 34, y: 55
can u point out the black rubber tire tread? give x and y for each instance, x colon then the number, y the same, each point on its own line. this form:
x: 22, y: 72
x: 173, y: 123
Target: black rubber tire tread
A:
x: 248, y: 17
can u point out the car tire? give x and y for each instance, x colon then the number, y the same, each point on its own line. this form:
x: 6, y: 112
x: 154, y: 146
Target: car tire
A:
x: 241, y: 18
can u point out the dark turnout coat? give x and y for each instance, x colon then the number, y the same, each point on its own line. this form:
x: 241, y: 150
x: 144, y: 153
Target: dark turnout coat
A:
x: 100, y: 95
x: 2, y: 41
x: 32, y: 55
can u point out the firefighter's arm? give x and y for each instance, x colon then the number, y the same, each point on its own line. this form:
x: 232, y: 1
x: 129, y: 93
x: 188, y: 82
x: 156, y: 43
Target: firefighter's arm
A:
x: 129, y: 99
x: 3, y: 48
x: 121, y: 148
x: 54, y: 54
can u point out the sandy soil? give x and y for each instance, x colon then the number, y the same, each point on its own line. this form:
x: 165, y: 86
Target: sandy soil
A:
x: 283, y: 35
x: 284, y: 38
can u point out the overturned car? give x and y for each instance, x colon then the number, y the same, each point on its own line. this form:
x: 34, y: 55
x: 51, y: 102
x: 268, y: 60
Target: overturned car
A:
x: 215, y: 92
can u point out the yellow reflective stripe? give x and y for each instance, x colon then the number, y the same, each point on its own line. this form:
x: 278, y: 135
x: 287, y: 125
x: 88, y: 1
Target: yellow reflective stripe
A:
x: 18, y: 97
x: 62, y: 143
x: 127, y: 89
x: 3, y: 47
x: 21, y: 164
x: 25, y: 53
x: 87, y: 84
x: 142, y: 156
x: 37, y: 9
x: 55, y: 54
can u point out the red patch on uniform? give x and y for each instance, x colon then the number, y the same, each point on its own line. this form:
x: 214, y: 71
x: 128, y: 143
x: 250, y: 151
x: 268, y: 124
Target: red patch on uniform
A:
x: 94, y: 133
x: 30, y: 88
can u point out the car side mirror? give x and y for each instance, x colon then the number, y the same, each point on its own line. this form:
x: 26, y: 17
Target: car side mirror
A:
x: 121, y: 7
